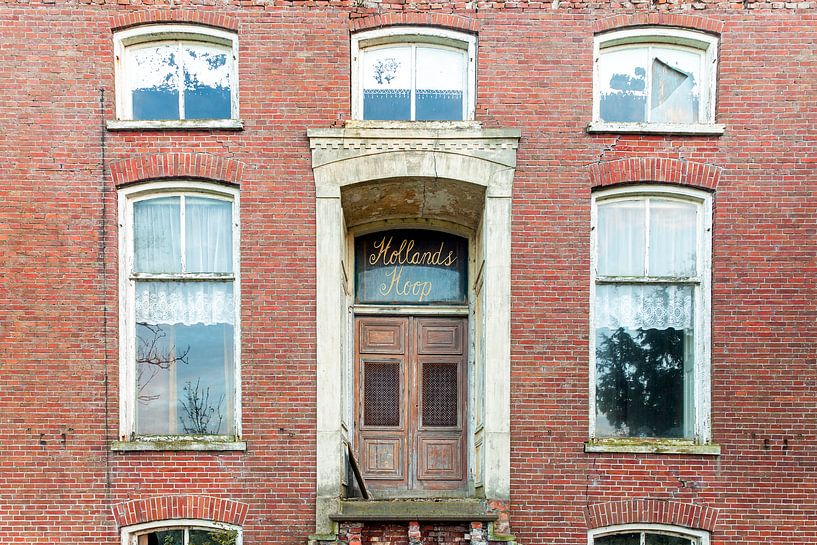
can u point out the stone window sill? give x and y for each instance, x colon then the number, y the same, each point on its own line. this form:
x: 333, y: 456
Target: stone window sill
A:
x: 431, y: 125
x: 175, y: 124
x: 396, y: 510
x: 179, y: 443
x: 652, y: 446
x: 691, y: 129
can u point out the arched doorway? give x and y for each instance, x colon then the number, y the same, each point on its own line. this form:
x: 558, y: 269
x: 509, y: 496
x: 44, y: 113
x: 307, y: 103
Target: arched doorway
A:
x: 454, y: 181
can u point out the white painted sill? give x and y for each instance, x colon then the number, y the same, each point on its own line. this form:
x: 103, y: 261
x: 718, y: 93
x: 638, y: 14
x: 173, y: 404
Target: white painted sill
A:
x: 691, y: 129
x: 175, y: 124
x: 652, y: 446
x: 181, y: 443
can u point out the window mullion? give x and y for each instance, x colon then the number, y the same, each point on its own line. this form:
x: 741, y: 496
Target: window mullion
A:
x: 643, y: 538
x: 180, y: 79
x: 647, y: 238
x: 182, y: 233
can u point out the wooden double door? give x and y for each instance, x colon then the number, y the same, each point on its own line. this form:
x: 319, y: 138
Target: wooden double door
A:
x: 410, y: 407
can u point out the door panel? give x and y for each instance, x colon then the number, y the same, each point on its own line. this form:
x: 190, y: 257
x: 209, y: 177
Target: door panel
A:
x: 411, y: 395
x: 383, y: 457
x: 383, y: 336
x: 439, y: 336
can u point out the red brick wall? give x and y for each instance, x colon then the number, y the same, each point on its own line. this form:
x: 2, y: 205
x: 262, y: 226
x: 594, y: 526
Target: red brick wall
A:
x: 60, y: 483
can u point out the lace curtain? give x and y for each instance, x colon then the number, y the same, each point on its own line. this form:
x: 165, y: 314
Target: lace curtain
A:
x: 644, y: 306
x: 185, y: 303
x: 205, y: 240
x: 208, y: 242
x: 623, y: 234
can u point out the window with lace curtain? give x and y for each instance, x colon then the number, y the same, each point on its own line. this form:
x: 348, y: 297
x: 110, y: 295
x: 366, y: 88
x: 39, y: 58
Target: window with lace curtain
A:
x: 179, y: 320
x: 413, y: 74
x: 650, y: 340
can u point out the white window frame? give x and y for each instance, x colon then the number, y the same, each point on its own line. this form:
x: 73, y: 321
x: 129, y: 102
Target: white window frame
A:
x: 707, y: 44
x: 700, y: 443
x: 129, y: 535
x: 412, y: 36
x: 151, y: 34
x: 129, y: 440
x: 698, y: 537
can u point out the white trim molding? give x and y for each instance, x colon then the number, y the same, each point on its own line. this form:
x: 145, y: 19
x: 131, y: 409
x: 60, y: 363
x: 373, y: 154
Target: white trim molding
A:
x: 129, y: 439
x: 705, y: 45
x: 129, y: 535
x: 698, y: 537
x: 178, y: 33
x: 411, y: 36
x: 483, y: 160
x: 697, y: 419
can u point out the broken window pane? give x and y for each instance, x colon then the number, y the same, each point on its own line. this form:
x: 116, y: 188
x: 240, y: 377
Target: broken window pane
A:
x: 675, y: 91
x: 649, y: 83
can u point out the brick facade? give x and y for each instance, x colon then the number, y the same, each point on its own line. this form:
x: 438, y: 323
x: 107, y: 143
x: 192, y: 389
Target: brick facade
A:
x: 60, y: 482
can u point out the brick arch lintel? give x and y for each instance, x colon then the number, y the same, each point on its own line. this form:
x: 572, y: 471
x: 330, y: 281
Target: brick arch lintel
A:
x: 454, y: 22
x: 651, y: 511
x: 196, y: 507
x: 694, y: 22
x: 190, y: 16
x: 159, y: 166
x: 651, y: 169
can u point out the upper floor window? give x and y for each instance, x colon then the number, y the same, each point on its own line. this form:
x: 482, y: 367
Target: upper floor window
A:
x: 650, y: 344
x: 413, y: 74
x: 176, y: 73
x: 655, y: 80
x: 179, y: 293
x: 182, y: 532
x: 647, y: 534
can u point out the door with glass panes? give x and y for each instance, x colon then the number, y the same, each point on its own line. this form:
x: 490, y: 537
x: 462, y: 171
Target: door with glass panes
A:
x: 410, y: 404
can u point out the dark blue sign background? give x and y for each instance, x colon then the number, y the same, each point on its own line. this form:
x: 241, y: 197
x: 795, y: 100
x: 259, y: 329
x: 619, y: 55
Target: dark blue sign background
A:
x: 414, y: 267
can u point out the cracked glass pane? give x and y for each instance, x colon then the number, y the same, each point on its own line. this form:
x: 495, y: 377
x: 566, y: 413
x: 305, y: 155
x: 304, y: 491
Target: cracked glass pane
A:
x: 649, y: 83
x: 675, y: 92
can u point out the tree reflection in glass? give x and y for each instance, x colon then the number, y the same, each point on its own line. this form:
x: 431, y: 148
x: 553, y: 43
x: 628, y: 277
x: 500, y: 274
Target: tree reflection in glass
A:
x: 640, y: 382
